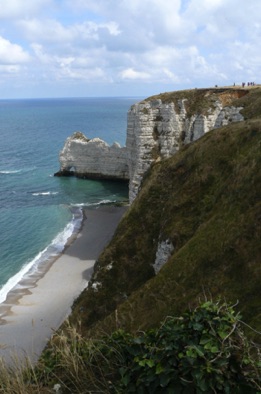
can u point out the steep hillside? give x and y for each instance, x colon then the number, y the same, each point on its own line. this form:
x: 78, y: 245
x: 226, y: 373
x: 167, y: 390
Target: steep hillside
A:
x: 206, y: 201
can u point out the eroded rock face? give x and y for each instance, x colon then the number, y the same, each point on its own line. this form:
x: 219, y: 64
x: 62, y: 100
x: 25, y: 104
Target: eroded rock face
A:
x: 157, y: 130
x: 93, y: 158
x: 164, y: 251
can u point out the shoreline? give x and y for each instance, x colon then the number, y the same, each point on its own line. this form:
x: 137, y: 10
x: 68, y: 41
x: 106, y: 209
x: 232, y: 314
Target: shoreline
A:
x: 38, y: 305
x: 39, y: 264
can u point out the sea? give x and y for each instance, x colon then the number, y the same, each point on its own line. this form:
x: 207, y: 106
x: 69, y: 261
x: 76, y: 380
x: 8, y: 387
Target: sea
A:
x: 40, y: 212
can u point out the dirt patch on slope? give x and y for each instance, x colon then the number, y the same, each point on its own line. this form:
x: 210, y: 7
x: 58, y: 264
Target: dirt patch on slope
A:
x: 228, y: 96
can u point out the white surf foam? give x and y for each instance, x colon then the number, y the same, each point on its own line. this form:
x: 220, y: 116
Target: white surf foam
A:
x: 10, y: 172
x: 45, y: 193
x: 52, y: 250
x: 95, y: 204
x: 20, y: 171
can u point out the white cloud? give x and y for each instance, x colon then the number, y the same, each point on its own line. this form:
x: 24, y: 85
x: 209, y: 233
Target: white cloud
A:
x: 40, y: 55
x: 45, y: 30
x: 178, y: 43
x: 218, y: 21
x: 86, y: 75
x: 69, y: 67
x: 161, y: 56
x: 170, y: 75
x: 80, y: 5
x: 18, y: 8
x: 132, y: 74
x: 210, y: 5
x: 12, y: 53
x: 53, y: 32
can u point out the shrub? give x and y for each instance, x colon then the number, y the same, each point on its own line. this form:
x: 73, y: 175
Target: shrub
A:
x: 204, y: 351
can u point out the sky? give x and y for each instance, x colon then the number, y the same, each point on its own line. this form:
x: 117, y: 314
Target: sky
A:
x: 88, y: 48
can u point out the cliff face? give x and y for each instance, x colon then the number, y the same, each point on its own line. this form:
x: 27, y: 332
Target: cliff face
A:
x: 157, y: 128
x: 93, y: 158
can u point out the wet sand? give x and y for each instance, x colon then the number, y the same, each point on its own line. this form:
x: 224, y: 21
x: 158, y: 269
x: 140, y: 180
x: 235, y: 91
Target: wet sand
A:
x: 39, y: 305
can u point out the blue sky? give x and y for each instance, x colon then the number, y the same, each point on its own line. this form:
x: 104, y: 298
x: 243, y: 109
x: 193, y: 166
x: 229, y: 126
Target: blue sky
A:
x: 81, y: 48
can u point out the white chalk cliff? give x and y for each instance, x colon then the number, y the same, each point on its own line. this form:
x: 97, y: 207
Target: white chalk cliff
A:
x: 156, y: 130
x: 93, y: 158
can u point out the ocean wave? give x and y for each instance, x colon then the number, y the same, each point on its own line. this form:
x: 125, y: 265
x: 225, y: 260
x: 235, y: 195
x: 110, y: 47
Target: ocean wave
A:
x: 6, y: 172
x: 94, y: 204
x: 102, y: 202
x: 44, y: 193
x: 53, y: 250
x: 20, y: 171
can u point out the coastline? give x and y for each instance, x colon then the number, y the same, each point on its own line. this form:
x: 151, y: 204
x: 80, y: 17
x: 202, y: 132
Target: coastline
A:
x: 39, y: 305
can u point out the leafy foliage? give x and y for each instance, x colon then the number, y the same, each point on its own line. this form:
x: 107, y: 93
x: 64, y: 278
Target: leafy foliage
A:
x: 203, y: 351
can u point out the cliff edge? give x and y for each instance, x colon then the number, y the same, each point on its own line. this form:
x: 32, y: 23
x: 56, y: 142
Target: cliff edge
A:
x: 160, y: 125
x: 157, y: 127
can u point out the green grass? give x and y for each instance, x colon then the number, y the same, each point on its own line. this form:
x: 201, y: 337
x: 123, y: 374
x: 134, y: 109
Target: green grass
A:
x: 206, y: 199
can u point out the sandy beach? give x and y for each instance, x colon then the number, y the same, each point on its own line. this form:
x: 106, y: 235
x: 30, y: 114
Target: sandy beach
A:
x: 39, y: 305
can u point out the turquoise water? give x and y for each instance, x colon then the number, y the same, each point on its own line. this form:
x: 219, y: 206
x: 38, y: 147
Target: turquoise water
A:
x: 38, y: 212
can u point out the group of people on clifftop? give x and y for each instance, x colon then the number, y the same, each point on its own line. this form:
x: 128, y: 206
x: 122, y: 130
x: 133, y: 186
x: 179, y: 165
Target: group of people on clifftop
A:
x: 248, y: 84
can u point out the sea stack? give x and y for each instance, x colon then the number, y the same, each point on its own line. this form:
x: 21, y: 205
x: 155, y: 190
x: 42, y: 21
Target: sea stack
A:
x: 93, y: 159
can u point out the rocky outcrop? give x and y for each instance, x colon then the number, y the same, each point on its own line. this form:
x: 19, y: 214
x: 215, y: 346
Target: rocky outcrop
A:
x: 164, y: 251
x: 93, y: 159
x: 157, y: 128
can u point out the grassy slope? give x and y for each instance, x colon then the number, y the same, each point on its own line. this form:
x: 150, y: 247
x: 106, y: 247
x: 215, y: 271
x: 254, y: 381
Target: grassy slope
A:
x: 206, y: 199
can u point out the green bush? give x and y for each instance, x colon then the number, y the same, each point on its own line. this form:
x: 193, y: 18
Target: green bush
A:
x: 204, y: 351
